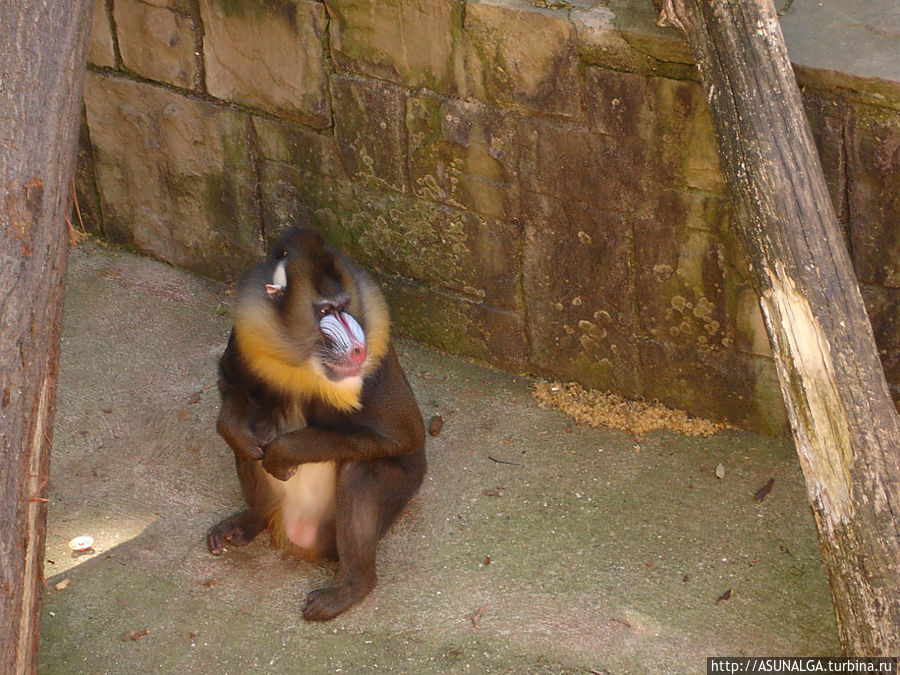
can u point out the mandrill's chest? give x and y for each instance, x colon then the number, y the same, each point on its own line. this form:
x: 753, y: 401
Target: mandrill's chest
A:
x: 296, y: 413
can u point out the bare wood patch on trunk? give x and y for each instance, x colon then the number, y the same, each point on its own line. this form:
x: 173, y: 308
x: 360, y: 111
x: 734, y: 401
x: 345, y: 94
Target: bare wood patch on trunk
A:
x: 807, y: 372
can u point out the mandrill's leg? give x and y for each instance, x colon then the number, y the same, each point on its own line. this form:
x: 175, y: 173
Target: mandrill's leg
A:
x: 262, y: 498
x: 370, y: 496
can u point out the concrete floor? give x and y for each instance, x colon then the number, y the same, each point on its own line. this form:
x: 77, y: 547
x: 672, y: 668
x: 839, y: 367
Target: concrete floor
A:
x: 579, y: 551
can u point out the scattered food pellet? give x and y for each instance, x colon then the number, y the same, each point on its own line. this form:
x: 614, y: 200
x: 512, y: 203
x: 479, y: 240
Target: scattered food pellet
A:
x: 476, y: 617
x: 82, y: 543
x: 437, y: 423
x: 62, y: 584
x: 720, y: 470
x: 597, y: 409
x: 764, y: 490
x: 135, y: 634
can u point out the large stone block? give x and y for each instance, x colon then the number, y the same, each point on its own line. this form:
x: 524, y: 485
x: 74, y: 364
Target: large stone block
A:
x: 623, y: 35
x: 182, y: 6
x: 461, y: 251
x: 292, y: 195
x: 681, y: 282
x: 475, y: 258
x: 464, y: 154
x: 157, y: 43
x: 300, y: 174
x: 669, y: 125
x: 298, y: 146
x: 751, y: 336
x: 874, y: 168
x: 698, y: 210
x: 370, y: 127
x: 829, y: 121
x: 881, y: 305
x: 411, y: 43
x: 174, y: 175
x: 578, y: 288
x: 100, y: 48
x: 682, y: 143
x: 618, y: 104
x: 573, y: 164
x: 268, y: 55
x: 669, y: 117
x: 520, y: 57
x: 722, y: 385
x: 454, y: 323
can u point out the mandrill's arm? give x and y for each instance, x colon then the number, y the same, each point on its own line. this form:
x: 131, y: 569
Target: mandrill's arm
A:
x: 387, y: 425
x: 233, y: 425
x: 243, y: 424
x: 285, y: 453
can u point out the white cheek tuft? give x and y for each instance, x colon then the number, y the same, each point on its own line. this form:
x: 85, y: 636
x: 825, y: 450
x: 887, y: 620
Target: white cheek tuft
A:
x: 279, y: 281
x: 280, y: 276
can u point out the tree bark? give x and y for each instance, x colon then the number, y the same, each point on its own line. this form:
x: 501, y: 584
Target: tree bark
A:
x: 845, y: 427
x: 43, y: 48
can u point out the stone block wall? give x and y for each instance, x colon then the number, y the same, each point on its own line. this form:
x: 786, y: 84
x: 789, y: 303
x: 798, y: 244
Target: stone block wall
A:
x: 535, y: 187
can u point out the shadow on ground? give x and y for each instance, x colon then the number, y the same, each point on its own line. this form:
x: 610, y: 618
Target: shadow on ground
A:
x: 535, y: 545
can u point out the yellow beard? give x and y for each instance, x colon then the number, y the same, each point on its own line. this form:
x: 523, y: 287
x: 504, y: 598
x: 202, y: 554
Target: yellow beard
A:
x: 267, y: 353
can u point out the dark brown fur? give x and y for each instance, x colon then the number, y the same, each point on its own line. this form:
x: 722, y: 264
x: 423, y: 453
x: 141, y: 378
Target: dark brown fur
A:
x: 277, y: 420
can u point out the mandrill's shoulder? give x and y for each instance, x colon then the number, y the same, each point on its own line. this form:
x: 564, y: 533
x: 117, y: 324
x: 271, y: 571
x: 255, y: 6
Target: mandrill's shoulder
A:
x: 388, y: 402
x: 235, y: 376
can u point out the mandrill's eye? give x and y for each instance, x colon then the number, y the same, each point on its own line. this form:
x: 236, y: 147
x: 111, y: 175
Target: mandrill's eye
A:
x: 336, y: 305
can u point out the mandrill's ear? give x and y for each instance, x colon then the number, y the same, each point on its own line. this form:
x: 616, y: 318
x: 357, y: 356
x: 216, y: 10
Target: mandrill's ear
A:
x: 275, y: 289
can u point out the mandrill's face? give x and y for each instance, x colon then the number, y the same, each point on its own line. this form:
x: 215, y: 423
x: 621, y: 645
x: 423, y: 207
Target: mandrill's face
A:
x: 307, y: 307
x: 314, y: 294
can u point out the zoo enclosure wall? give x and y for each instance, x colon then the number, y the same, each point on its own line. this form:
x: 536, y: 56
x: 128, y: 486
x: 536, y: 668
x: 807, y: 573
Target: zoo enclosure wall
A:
x: 534, y: 186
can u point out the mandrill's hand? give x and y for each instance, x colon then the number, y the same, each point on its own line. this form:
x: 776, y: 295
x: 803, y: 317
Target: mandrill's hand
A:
x: 279, y: 460
x: 247, y: 443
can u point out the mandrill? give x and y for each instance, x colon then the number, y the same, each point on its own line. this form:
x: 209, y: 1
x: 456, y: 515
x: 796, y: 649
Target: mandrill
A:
x: 327, y: 437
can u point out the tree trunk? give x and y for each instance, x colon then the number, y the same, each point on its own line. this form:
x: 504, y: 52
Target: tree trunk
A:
x: 43, y: 47
x: 845, y: 427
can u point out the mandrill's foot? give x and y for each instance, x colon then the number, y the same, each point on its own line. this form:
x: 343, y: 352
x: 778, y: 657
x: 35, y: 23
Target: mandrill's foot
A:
x: 238, y: 530
x: 326, y: 603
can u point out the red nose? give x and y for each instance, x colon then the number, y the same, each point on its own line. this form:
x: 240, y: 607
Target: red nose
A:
x: 357, y: 354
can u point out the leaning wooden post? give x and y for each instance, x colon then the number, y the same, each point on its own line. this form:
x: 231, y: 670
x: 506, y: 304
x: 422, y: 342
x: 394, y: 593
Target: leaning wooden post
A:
x: 845, y: 427
x: 43, y: 47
